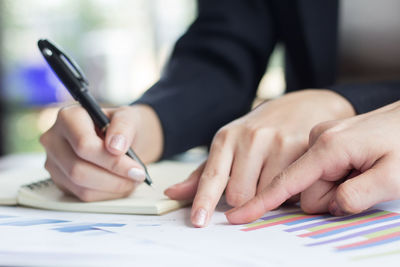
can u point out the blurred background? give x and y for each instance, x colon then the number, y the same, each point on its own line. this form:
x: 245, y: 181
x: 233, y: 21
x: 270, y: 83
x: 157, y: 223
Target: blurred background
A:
x: 121, y: 45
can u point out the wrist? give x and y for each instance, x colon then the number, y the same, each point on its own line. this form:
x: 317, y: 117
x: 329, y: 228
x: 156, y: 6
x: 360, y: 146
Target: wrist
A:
x: 338, y: 105
x: 150, y: 140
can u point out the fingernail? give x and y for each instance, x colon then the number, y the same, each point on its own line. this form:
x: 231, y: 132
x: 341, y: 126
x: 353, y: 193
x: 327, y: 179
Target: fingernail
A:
x: 137, y: 175
x: 118, y: 142
x: 200, y: 217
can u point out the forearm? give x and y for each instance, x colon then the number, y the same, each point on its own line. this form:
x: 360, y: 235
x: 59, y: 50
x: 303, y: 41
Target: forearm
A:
x: 213, y: 73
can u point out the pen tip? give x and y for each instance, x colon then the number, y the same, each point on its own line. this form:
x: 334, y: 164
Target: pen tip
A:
x: 153, y: 187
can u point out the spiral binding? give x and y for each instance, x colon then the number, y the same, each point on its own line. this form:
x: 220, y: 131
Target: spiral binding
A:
x: 40, y: 184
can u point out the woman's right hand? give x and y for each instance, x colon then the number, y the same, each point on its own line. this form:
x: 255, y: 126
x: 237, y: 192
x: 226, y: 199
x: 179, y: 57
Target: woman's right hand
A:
x: 94, y: 168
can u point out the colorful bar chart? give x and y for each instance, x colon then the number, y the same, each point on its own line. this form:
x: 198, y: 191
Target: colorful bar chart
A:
x: 367, y: 229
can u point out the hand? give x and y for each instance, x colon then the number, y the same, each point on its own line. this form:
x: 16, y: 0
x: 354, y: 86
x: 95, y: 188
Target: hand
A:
x: 247, y: 153
x: 351, y: 165
x: 80, y: 162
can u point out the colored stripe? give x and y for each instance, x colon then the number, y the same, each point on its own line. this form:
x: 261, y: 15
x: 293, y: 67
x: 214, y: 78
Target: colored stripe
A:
x: 308, y: 219
x: 380, y: 240
x: 33, y: 222
x: 281, y: 215
x: 259, y: 226
x: 279, y: 219
x: 377, y: 255
x: 346, y: 226
x: 334, y: 224
x: 383, y: 232
x: 6, y: 216
x: 109, y: 224
x: 387, y: 218
x: 86, y: 227
x: 307, y: 226
x: 358, y: 234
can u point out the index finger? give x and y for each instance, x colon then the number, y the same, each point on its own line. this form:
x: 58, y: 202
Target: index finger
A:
x: 296, y: 178
x: 212, y: 184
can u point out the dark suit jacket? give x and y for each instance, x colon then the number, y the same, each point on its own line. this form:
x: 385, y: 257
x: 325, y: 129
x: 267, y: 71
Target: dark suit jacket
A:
x: 215, y: 68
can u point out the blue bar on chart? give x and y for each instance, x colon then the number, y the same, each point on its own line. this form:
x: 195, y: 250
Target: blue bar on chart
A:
x: 32, y: 222
x: 86, y: 227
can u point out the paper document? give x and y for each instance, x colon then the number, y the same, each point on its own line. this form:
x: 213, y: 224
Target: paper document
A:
x: 285, y: 237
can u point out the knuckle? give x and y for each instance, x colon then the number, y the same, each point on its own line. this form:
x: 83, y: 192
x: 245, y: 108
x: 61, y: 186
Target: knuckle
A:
x: 319, y: 129
x: 119, y: 122
x: 348, y: 198
x: 63, y: 114
x: 256, y: 134
x: 236, y: 198
x: 115, y: 164
x: 211, y: 174
x: 123, y: 187
x: 280, y: 182
x: 47, y: 165
x: 44, y: 139
x: 69, y: 113
x: 328, y: 138
x: 279, y: 139
x: 308, y: 206
x: 124, y: 116
x: 223, y: 135
x: 86, y: 195
x: 83, y: 146
x: 282, y: 140
x: 76, y: 174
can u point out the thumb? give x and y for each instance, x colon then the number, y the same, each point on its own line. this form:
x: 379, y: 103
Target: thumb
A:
x: 186, y: 189
x: 365, y: 190
x: 121, y: 131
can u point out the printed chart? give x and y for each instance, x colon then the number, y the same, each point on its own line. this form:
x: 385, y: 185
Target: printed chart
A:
x: 371, y: 228
x: 62, y: 226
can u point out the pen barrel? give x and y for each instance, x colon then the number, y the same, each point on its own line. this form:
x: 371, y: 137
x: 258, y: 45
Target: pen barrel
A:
x: 90, y: 105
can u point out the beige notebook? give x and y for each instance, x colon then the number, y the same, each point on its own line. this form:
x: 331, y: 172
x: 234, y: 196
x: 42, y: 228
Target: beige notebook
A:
x: 11, y: 180
x: 144, y: 200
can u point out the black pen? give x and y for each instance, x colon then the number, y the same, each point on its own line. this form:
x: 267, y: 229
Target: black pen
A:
x: 73, y: 79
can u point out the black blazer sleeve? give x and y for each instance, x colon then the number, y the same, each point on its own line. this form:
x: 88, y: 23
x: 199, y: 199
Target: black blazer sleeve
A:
x: 213, y: 73
x: 366, y: 97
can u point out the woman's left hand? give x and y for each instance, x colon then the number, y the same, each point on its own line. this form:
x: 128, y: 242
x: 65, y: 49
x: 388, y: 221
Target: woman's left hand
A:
x: 351, y: 165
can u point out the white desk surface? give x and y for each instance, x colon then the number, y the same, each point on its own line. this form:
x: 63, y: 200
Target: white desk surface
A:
x: 32, y: 237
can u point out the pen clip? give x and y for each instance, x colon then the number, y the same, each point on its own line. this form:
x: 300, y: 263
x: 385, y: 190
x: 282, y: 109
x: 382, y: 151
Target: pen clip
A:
x: 49, y: 49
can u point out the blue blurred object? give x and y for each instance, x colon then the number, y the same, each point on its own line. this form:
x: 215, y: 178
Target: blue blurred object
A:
x: 32, y: 85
